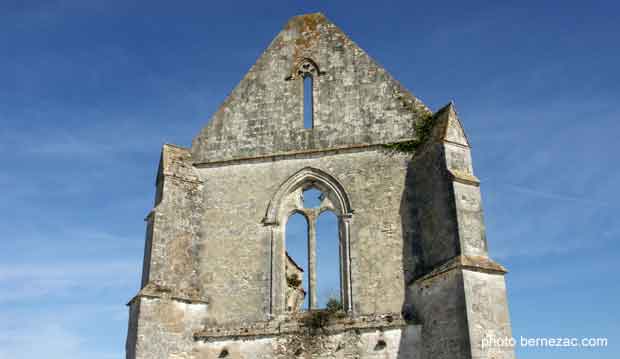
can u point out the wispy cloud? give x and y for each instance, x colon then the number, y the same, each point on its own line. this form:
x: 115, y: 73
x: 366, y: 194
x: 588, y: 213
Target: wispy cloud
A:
x: 84, y: 141
x: 554, y: 274
x: 31, y: 281
x: 52, y: 337
x: 531, y: 223
x: 554, y: 195
x: 547, y: 185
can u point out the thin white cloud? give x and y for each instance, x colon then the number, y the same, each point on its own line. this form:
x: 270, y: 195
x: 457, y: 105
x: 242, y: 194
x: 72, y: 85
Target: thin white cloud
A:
x: 30, y: 281
x: 48, y: 337
x: 546, y: 274
x: 63, y: 270
x: 536, y: 227
x: 553, y: 195
x: 90, y: 142
x: 51, y: 341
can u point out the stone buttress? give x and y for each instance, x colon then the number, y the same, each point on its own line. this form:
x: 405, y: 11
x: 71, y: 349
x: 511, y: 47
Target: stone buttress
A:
x: 458, y: 293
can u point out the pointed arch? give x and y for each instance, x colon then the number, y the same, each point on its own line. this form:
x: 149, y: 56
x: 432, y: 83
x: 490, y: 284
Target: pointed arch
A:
x: 305, y: 67
x: 288, y: 199
x: 305, y: 178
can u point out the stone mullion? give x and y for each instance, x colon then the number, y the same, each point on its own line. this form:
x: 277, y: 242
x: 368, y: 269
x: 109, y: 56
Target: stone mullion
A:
x: 345, y: 259
x: 312, y: 287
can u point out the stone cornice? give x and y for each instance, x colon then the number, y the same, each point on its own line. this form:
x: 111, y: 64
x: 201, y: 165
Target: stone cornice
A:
x: 462, y: 177
x: 473, y: 263
x: 301, y: 153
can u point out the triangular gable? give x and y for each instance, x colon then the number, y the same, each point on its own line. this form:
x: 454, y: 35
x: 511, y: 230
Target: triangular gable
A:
x: 356, y: 102
x: 448, y: 127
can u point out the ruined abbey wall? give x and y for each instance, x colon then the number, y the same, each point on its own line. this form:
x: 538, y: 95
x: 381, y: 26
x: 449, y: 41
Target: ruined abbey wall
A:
x: 416, y: 280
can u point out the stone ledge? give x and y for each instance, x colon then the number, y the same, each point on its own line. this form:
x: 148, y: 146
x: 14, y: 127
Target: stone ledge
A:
x: 297, y: 326
x: 153, y: 290
x: 474, y: 263
x: 298, y: 153
x: 462, y: 177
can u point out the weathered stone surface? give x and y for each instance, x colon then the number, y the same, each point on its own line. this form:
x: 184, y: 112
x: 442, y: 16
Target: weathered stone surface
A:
x: 356, y: 102
x: 234, y: 231
x: 487, y: 313
x: 416, y: 280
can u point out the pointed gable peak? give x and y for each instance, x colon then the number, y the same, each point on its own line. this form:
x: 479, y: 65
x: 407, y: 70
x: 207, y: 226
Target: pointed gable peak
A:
x: 448, y: 126
x: 306, y: 32
x: 307, y: 23
x: 309, y: 19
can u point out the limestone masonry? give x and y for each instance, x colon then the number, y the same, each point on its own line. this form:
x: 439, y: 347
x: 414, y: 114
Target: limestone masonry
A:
x: 415, y: 277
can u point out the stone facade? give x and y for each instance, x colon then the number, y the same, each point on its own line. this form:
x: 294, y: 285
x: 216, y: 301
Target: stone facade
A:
x: 416, y: 280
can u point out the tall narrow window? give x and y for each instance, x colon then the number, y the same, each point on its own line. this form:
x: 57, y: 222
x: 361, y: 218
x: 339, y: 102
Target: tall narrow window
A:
x: 296, y: 263
x: 308, y: 103
x: 313, y: 265
x: 328, y: 272
x: 310, y: 271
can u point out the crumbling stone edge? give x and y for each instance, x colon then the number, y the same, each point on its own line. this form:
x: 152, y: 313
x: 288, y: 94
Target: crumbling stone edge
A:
x: 296, y: 326
x: 154, y: 290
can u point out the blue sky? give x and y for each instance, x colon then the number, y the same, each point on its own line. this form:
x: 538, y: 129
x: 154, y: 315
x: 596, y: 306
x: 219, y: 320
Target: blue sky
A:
x: 89, y: 91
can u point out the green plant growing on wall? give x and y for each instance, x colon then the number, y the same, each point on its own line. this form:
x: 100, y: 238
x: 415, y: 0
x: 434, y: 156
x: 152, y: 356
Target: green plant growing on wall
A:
x: 293, y: 281
x: 333, y: 305
x: 317, y: 320
x: 422, y: 127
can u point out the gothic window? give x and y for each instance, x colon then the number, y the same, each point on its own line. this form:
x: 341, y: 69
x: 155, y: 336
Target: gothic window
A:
x: 313, y: 266
x: 310, y: 217
x: 306, y: 70
x: 308, y: 103
x: 307, y: 67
